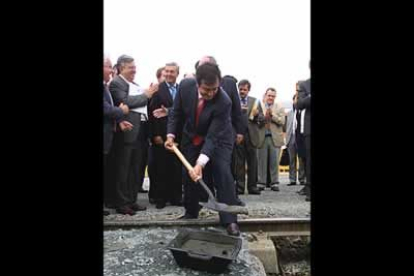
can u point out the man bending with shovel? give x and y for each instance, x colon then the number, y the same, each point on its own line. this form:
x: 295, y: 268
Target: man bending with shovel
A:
x: 202, y: 110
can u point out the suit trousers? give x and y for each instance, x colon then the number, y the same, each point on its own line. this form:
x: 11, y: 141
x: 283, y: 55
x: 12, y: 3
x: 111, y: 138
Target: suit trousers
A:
x: 268, y: 157
x: 216, y: 172
x: 109, y: 180
x: 242, y: 153
x: 293, y: 168
x: 139, y: 161
x: 167, y: 167
x: 131, y: 161
x: 308, y: 160
x: 152, y: 174
x: 118, y: 161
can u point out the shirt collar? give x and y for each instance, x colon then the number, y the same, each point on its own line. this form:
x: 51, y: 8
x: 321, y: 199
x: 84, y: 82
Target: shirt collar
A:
x: 171, y: 85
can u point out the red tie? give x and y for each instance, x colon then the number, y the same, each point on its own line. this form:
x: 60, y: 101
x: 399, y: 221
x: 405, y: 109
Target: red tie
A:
x: 198, y: 139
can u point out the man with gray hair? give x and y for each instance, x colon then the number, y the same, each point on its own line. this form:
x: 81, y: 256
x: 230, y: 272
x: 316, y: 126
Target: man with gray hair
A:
x: 113, y: 115
x: 132, y: 146
x: 168, y: 187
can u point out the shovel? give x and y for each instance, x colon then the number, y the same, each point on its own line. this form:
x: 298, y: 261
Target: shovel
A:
x: 211, y: 203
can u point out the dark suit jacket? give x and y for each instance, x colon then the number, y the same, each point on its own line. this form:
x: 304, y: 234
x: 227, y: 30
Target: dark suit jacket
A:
x: 119, y: 89
x: 112, y: 116
x: 230, y: 87
x: 214, y: 122
x: 158, y: 127
x: 304, y: 102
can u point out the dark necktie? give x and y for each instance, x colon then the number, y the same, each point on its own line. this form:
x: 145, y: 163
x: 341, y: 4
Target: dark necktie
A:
x: 244, y: 106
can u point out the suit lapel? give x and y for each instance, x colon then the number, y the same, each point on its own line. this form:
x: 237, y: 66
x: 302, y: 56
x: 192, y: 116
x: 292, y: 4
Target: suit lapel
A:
x: 124, y: 83
x: 167, y: 94
x: 108, y: 96
x: 250, y: 102
x: 208, y: 110
x: 194, y: 105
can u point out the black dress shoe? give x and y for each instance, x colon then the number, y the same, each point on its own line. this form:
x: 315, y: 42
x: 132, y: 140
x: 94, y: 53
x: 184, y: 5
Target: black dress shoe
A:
x: 302, y: 183
x: 261, y: 188
x: 275, y: 188
x: 233, y: 229
x: 142, y: 191
x: 303, y: 191
x: 291, y: 184
x: 176, y: 203
x: 187, y: 216
x: 137, y: 207
x: 240, y: 202
x: 160, y: 205
x: 254, y: 191
x: 125, y: 210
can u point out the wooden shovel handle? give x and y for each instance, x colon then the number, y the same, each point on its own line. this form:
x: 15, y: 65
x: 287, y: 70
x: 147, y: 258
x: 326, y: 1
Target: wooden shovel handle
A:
x: 182, y: 158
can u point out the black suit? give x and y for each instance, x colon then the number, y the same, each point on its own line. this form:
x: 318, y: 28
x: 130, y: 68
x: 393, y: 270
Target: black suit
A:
x: 304, y: 104
x: 167, y: 167
x: 230, y: 87
x: 131, y: 146
x: 214, y: 126
x: 112, y: 115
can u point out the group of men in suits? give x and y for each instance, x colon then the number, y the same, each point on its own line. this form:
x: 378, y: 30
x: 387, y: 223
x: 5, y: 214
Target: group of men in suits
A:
x: 216, y: 128
x: 128, y: 154
x: 263, y: 138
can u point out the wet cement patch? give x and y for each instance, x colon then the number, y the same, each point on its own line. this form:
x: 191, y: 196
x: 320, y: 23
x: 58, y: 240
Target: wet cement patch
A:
x: 144, y: 252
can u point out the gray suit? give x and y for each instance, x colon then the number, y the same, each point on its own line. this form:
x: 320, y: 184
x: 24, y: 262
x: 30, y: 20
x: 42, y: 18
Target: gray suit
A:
x: 254, y: 125
x: 131, y: 146
x: 291, y: 147
x: 247, y: 150
x: 119, y: 89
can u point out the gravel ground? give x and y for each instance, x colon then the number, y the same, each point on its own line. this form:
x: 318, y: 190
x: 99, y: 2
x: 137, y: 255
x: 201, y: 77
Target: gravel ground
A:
x: 294, y: 255
x: 270, y: 204
x: 143, y: 252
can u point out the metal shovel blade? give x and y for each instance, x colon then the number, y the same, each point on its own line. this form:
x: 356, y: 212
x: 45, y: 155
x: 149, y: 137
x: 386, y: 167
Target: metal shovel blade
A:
x: 211, y: 203
x: 222, y: 207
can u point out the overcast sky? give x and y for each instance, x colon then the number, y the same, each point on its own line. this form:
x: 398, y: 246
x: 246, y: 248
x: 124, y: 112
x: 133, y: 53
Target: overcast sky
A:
x: 266, y: 41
